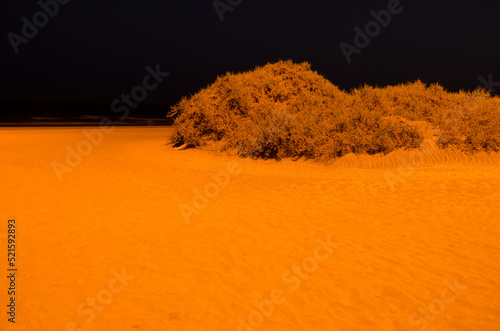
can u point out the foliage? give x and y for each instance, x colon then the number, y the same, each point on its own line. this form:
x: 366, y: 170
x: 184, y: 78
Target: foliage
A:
x: 287, y: 110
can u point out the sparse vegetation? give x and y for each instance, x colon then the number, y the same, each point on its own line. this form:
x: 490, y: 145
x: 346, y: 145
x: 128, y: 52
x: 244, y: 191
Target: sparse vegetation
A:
x: 288, y: 110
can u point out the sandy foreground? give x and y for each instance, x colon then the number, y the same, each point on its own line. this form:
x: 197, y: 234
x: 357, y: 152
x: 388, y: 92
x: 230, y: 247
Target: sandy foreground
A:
x: 134, y: 235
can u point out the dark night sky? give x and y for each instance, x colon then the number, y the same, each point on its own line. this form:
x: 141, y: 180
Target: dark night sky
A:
x: 93, y: 51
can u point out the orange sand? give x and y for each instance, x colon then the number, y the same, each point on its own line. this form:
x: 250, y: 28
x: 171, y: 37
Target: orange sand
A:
x: 412, y: 246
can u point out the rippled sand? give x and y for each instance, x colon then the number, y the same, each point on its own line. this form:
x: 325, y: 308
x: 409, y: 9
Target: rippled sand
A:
x: 127, y: 239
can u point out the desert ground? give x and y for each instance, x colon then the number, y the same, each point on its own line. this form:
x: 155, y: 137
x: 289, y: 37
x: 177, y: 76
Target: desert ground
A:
x: 120, y: 231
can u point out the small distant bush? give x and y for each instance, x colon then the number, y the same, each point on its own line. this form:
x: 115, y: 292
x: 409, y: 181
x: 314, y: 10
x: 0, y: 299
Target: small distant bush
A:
x: 287, y: 110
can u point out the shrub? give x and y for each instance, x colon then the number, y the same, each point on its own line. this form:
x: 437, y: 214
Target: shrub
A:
x: 474, y: 124
x: 287, y: 110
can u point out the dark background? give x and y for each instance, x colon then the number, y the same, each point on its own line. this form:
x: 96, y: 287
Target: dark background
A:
x: 91, y: 51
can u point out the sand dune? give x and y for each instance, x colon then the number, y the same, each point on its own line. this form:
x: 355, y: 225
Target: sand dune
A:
x: 129, y: 240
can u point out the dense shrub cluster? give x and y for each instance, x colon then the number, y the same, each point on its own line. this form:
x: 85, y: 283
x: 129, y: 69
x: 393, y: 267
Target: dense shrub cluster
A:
x: 288, y: 110
x: 467, y: 120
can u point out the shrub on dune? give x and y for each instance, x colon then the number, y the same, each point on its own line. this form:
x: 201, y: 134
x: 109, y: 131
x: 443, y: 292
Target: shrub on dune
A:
x: 467, y: 120
x: 287, y: 110
x: 474, y: 124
